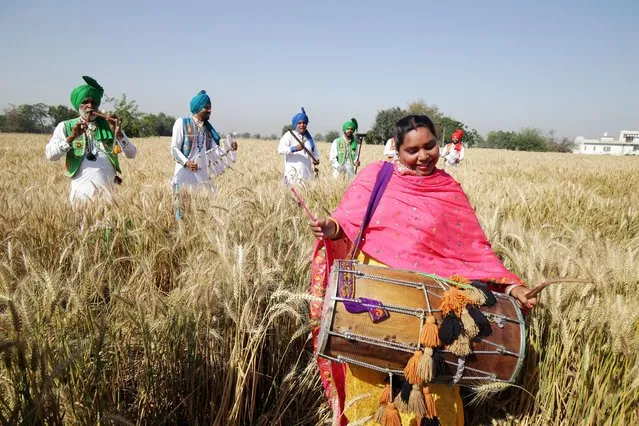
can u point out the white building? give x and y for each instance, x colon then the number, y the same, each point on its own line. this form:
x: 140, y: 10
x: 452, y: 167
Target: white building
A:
x: 628, y: 144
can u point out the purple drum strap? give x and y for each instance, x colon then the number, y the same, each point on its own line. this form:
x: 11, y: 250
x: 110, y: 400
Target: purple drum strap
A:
x: 383, y: 177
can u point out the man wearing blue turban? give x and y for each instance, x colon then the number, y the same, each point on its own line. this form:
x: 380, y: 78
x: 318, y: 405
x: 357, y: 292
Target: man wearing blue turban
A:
x: 195, y: 146
x: 90, y: 145
x: 299, y: 151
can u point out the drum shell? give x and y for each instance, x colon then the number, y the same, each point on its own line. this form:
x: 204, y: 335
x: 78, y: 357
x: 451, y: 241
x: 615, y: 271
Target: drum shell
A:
x: 487, y: 363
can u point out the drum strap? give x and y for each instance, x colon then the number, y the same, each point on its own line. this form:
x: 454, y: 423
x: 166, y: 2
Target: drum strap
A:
x: 383, y: 177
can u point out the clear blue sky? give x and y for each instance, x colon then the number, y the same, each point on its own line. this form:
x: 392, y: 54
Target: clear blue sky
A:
x: 571, y: 66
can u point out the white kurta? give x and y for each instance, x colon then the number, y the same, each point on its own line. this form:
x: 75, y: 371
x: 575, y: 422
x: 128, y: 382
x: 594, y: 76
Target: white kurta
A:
x: 183, y: 177
x: 451, y: 156
x: 339, y: 169
x: 297, y: 164
x: 92, y: 175
x: 389, y: 152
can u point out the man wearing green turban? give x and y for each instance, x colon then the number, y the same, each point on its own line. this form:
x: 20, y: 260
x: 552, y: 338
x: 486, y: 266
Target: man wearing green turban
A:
x: 344, y: 152
x: 90, y: 144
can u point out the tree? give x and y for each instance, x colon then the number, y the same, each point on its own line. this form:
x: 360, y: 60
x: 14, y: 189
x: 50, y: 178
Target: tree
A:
x: 384, y: 126
x: 530, y: 139
x: 318, y: 137
x: 272, y: 137
x: 60, y: 113
x: 156, y: 125
x: 332, y: 135
x: 245, y: 135
x: 422, y: 108
x: 128, y: 112
x: 27, y: 118
x: 286, y: 128
x: 257, y: 136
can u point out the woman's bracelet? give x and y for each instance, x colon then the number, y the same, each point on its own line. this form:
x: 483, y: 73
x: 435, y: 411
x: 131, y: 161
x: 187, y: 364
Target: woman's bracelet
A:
x: 337, y: 228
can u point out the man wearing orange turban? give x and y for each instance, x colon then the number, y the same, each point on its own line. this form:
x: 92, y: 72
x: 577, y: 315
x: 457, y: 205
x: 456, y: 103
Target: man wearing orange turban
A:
x: 453, y: 152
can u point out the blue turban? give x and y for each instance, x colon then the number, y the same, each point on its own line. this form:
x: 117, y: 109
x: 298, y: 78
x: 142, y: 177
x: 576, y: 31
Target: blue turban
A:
x: 199, y: 101
x: 300, y: 116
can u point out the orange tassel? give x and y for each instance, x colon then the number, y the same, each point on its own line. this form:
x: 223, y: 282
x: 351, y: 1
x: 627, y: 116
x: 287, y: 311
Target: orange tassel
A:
x: 390, y: 416
x: 459, y: 279
x: 431, y: 411
x: 410, y: 372
x: 430, y: 333
x: 117, y: 149
x: 454, y: 300
x: 384, y: 397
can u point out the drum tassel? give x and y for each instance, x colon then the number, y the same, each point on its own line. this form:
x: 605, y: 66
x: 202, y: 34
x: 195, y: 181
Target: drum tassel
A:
x: 390, y: 416
x: 461, y: 346
x: 425, y: 369
x: 470, y: 327
x: 416, y: 402
x: 429, y: 336
x: 450, y: 329
x: 430, y: 414
x: 410, y: 371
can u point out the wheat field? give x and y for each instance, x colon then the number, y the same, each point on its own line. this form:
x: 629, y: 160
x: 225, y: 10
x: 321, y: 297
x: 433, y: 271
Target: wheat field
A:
x: 117, y: 314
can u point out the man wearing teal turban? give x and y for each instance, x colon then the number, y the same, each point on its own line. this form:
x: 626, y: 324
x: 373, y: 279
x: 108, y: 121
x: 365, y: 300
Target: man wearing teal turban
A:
x: 195, y: 147
x: 344, y: 152
x: 90, y: 144
x: 299, y: 151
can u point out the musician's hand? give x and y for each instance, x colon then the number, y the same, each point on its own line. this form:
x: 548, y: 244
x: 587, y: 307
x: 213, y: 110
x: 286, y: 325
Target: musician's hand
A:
x: 79, y: 128
x: 323, y: 228
x: 116, y: 128
x: 234, y: 146
x: 357, y: 163
x: 316, y: 162
x: 519, y: 293
x: 300, y: 147
x: 192, y: 166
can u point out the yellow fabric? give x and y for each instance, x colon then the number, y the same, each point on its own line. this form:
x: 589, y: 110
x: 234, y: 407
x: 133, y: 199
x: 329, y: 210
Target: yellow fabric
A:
x: 364, y: 386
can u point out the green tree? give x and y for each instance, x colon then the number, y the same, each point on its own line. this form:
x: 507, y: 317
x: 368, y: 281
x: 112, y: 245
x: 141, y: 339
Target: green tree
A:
x: 286, y: 128
x: 272, y: 137
x: 257, y: 136
x: 60, y: 113
x: 128, y: 112
x: 384, y: 126
x: 27, y: 118
x: 3, y: 119
x: 332, y: 135
x: 318, y: 137
x: 422, y: 108
x: 530, y: 139
x: 156, y: 124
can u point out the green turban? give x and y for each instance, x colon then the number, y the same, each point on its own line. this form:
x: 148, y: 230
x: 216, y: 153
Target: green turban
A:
x: 91, y: 90
x: 352, y: 123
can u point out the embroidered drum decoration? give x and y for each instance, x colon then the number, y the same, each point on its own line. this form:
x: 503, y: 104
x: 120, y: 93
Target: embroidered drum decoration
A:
x: 422, y: 326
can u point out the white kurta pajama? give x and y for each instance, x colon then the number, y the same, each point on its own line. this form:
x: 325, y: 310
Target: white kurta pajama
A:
x: 298, y: 166
x: 183, y: 177
x: 92, y: 176
x: 451, y: 156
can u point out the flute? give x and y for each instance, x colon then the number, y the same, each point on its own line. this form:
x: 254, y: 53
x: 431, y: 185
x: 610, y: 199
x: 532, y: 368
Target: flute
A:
x: 109, y: 118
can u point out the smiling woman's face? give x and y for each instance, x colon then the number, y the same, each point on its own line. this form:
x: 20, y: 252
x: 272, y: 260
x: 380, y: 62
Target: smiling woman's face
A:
x: 419, y: 151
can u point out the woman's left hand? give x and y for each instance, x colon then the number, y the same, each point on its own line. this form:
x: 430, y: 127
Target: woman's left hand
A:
x: 520, y: 293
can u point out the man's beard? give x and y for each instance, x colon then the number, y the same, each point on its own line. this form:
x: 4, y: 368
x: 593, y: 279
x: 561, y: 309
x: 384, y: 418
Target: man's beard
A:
x: 84, y: 114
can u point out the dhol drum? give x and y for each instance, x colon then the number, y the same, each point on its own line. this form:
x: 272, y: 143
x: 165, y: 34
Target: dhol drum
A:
x: 374, y: 316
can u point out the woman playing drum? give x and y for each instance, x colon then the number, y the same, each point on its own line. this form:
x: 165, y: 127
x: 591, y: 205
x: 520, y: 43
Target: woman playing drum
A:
x: 424, y: 222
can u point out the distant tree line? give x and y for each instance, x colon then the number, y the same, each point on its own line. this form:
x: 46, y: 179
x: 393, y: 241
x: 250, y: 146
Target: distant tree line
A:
x: 527, y: 139
x: 42, y: 118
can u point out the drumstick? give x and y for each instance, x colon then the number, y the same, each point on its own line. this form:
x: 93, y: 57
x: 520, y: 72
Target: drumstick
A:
x: 302, y: 204
x: 535, y: 291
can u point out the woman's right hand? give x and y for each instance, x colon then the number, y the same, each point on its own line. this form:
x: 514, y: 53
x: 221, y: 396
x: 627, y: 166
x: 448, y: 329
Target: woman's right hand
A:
x: 323, y: 228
